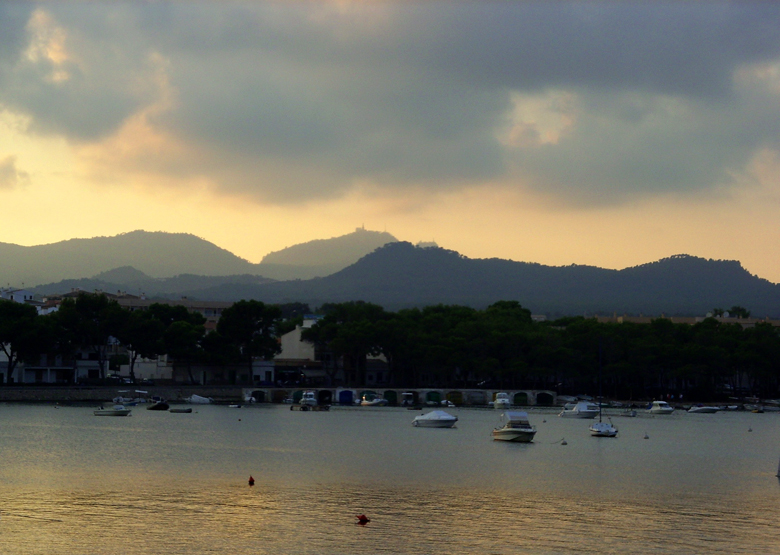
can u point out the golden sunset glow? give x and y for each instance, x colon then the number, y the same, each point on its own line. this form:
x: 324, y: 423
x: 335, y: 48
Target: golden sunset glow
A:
x: 320, y: 117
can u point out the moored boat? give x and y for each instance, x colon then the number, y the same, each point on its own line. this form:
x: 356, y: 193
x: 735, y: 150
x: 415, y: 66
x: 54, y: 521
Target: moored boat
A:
x: 116, y: 410
x: 371, y: 399
x: 583, y: 409
x: 502, y: 401
x: 516, y: 428
x: 435, y: 419
x: 704, y: 409
x: 198, y: 400
x: 308, y: 399
x: 603, y: 429
x: 660, y: 407
x: 158, y: 403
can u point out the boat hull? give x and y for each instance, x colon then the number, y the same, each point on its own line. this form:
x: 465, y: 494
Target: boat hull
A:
x: 602, y: 429
x: 433, y: 423
x: 112, y: 412
x: 580, y: 414
x: 514, y: 435
x: 435, y: 419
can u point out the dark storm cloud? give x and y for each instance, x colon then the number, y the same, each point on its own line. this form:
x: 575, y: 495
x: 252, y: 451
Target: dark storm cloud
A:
x: 13, y: 17
x: 417, y: 93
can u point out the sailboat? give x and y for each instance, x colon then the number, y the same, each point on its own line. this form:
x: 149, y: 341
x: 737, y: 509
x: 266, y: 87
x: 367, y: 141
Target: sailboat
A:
x: 600, y: 428
x: 603, y: 429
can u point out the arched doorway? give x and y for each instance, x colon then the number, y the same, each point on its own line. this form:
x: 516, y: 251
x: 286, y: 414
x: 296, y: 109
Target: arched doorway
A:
x: 280, y: 395
x: 324, y: 397
x: 476, y: 398
x: 346, y: 397
x: 433, y: 397
x: 520, y: 399
x: 455, y: 397
x: 545, y: 399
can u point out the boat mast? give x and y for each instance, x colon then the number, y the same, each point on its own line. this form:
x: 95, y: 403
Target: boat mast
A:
x: 600, y: 396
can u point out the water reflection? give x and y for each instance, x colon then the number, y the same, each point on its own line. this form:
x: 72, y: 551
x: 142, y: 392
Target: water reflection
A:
x: 74, y: 484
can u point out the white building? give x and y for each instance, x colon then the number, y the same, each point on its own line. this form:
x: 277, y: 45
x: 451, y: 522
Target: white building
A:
x: 27, y: 297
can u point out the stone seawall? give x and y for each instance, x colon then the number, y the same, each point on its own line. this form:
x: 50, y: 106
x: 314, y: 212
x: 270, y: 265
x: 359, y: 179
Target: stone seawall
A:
x: 87, y: 394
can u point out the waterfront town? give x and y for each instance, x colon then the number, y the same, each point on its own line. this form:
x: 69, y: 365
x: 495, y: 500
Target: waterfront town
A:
x: 455, y: 354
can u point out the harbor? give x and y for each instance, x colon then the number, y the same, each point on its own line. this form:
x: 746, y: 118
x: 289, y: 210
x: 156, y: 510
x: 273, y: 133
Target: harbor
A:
x: 72, y: 483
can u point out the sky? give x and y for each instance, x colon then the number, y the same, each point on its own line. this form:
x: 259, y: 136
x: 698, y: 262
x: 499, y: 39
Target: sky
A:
x: 602, y: 133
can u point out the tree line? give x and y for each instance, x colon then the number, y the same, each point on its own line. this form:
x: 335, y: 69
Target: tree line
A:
x: 93, y: 322
x: 499, y: 347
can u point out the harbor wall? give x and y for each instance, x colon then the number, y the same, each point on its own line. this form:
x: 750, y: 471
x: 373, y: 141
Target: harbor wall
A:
x: 234, y: 394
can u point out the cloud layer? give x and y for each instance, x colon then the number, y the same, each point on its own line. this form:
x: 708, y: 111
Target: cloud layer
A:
x: 592, y: 103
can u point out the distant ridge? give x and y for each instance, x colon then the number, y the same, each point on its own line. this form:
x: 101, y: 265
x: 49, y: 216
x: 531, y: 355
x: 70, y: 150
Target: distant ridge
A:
x: 400, y: 275
x: 162, y: 255
x: 156, y: 254
x: 120, y: 281
x: 337, y: 251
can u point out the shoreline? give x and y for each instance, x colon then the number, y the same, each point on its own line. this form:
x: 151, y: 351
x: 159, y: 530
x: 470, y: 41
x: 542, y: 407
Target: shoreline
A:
x: 104, y: 394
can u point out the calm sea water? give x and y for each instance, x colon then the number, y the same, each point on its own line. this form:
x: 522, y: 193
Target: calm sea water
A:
x: 154, y: 482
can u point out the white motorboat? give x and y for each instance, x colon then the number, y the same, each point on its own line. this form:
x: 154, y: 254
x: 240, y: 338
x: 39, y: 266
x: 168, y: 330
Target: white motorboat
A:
x: 309, y: 399
x: 502, y: 401
x: 373, y: 400
x: 116, y: 410
x: 660, y: 407
x: 583, y: 409
x: 704, y: 409
x: 139, y: 398
x: 198, y: 400
x: 516, y: 428
x: 435, y: 419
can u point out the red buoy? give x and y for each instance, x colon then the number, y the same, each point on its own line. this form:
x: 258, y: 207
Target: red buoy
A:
x: 251, y: 481
x: 362, y: 519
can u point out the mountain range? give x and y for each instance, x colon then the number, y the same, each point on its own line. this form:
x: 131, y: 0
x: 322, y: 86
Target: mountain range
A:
x: 166, y: 255
x: 397, y: 275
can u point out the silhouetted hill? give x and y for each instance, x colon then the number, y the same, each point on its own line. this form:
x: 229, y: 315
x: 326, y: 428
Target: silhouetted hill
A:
x: 338, y: 252
x: 131, y: 281
x: 123, y: 275
x: 164, y: 255
x: 156, y: 254
x: 400, y: 275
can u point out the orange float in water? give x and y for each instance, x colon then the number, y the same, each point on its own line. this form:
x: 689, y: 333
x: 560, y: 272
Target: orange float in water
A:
x: 251, y: 481
x: 362, y: 519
